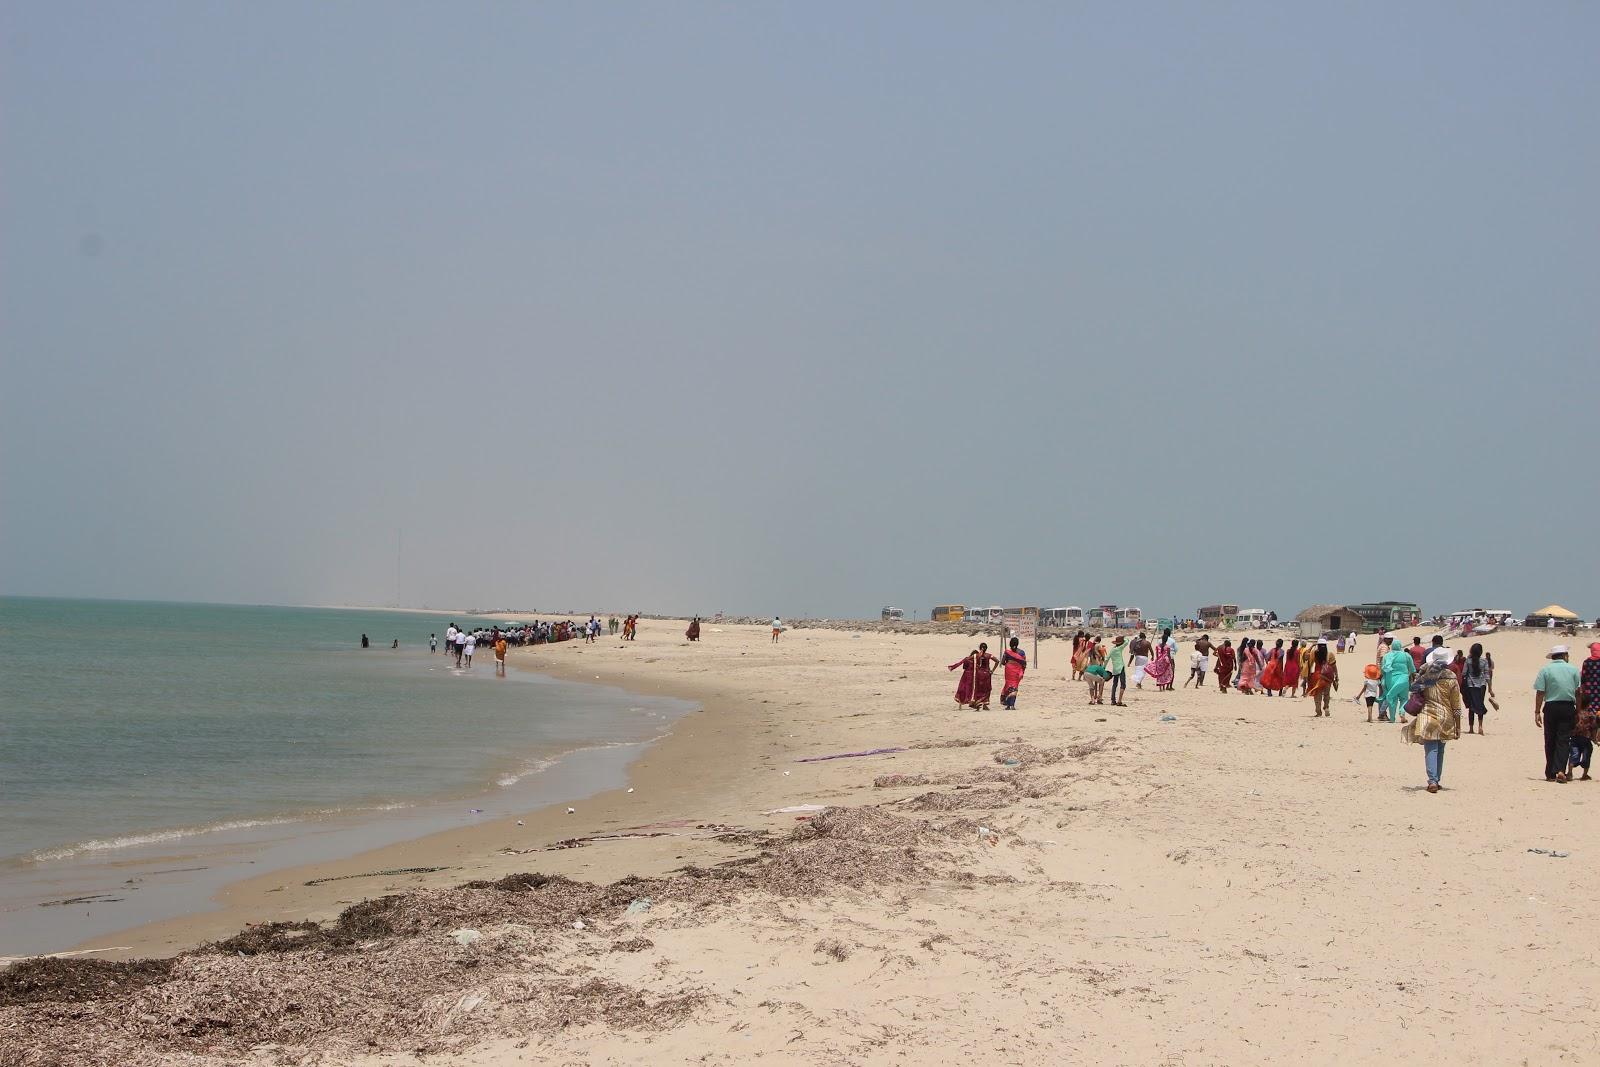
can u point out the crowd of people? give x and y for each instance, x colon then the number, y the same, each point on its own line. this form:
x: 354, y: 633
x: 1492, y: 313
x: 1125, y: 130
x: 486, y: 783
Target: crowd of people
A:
x: 1425, y: 689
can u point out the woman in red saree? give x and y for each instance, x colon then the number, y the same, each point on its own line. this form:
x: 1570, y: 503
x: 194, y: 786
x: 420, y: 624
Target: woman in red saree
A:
x: 983, y: 677
x: 1291, y: 668
x: 1225, y: 661
x: 969, y: 667
x: 1272, y: 677
x: 1015, y: 662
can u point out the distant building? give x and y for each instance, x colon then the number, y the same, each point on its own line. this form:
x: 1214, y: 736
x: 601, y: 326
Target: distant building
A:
x: 1329, y: 619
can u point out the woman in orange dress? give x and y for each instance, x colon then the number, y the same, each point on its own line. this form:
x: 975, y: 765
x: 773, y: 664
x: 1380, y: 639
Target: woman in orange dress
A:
x: 1272, y: 677
x: 1324, y: 679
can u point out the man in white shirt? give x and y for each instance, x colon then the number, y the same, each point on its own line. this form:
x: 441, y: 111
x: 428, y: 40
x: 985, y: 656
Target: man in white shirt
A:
x: 466, y: 649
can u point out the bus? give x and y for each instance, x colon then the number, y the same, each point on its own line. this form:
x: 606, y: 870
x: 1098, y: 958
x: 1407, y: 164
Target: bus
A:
x: 948, y: 613
x: 1061, y: 618
x: 1218, y: 616
x: 1129, y: 619
x: 1251, y: 619
x: 891, y: 615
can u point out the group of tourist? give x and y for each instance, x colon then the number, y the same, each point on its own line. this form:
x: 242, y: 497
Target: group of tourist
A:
x: 977, y: 676
x: 460, y: 645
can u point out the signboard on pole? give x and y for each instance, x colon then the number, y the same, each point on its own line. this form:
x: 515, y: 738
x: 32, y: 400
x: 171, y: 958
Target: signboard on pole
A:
x: 1025, y: 626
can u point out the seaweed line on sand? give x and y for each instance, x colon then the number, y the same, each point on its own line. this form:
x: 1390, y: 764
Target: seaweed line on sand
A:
x: 387, y: 974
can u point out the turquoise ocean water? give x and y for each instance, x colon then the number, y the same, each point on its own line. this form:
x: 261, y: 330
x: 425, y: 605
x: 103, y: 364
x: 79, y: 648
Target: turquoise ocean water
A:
x: 132, y: 725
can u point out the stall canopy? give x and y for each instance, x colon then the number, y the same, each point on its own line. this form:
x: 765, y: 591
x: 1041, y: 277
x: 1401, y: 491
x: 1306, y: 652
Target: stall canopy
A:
x: 1555, y: 611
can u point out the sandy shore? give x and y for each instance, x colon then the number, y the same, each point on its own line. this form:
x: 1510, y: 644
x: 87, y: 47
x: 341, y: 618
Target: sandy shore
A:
x: 1242, y: 884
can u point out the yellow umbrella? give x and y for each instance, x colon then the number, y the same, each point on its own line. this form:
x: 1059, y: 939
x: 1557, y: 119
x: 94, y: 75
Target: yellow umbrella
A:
x: 1557, y: 611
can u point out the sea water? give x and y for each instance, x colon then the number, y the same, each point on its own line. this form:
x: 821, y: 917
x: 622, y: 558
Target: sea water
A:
x: 129, y: 729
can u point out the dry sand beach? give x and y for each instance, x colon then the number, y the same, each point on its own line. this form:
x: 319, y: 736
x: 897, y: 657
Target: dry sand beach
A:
x: 1241, y: 885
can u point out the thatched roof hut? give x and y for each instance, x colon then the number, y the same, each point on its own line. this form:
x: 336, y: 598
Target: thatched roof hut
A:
x: 1544, y: 615
x: 1322, y: 619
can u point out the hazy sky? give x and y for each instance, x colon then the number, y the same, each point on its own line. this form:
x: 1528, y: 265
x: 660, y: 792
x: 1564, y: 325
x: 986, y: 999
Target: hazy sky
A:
x: 801, y: 308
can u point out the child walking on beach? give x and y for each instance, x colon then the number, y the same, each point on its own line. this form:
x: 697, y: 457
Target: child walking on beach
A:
x: 1197, y: 669
x: 1371, y: 688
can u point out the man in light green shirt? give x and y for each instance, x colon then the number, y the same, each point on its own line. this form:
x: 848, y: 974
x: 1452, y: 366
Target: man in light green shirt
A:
x: 1117, y: 667
x: 1555, y: 707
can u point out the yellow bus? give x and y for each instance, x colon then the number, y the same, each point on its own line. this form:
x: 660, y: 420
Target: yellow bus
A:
x: 948, y: 613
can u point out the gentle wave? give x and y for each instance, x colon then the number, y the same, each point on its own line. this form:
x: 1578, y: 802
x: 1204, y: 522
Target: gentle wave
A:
x: 539, y: 766
x: 156, y: 837
x: 152, y: 838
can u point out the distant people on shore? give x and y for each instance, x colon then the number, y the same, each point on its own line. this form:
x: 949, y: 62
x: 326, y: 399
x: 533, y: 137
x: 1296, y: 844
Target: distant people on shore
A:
x: 777, y: 628
x: 468, y: 645
x: 364, y: 642
x: 611, y: 626
x: 433, y: 643
x: 500, y: 645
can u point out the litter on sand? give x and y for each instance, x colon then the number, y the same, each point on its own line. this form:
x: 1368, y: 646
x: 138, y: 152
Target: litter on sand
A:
x: 850, y: 755
x: 638, y: 907
x: 465, y: 937
x: 1169, y: 718
x: 792, y: 808
x: 1552, y: 853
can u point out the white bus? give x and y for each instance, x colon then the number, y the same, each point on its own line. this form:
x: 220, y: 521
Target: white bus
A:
x: 1061, y: 617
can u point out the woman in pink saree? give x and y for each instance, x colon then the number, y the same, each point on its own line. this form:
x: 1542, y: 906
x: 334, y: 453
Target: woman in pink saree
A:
x: 1161, y: 667
x: 1249, y: 665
